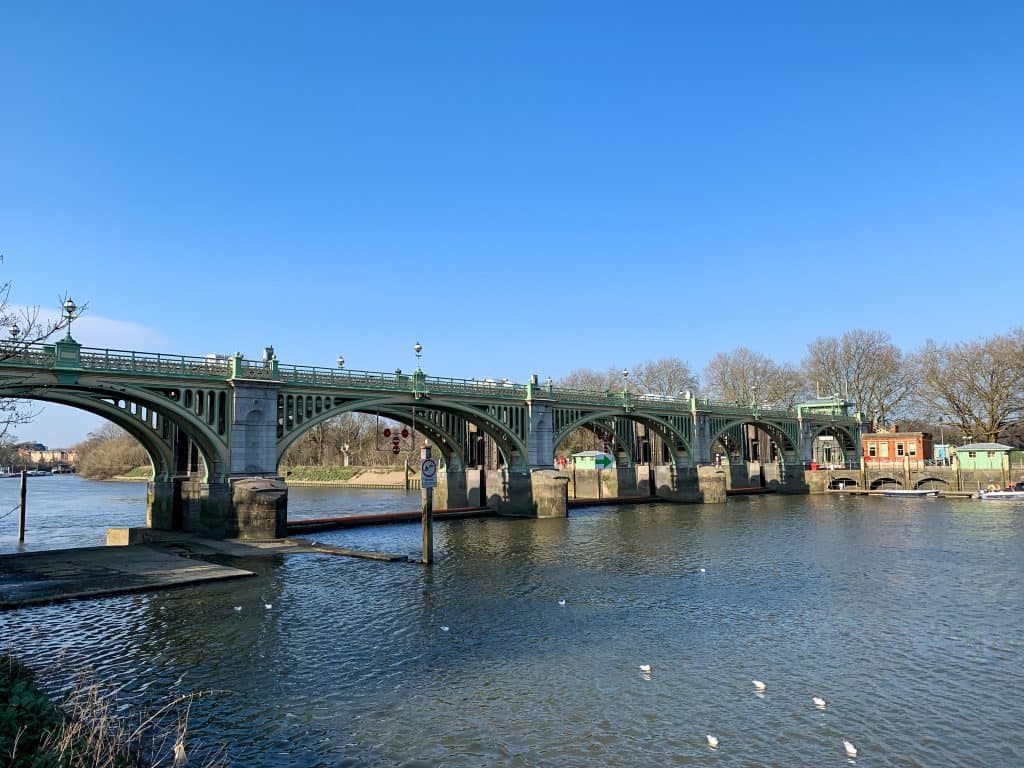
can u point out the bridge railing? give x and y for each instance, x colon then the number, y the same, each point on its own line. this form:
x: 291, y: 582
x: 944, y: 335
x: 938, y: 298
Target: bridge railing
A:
x: 588, y: 396
x: 33, y: 356
x: 397, y: 381
x: 95, y: 358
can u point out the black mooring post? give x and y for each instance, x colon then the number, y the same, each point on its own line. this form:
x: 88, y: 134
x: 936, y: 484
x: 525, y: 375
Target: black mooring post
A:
x: 21, y: 519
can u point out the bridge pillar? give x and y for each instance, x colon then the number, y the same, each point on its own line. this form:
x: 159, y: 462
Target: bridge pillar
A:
x: 701, y: 439
x: 550, y: 492
x: 253, y: 440
x: 540, y: 439
x: 509, y: 492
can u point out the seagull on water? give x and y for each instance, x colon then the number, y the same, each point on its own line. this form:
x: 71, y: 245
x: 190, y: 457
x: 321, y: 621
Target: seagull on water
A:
x: 268, y: 606
x: 703, y: 570
x: 561, y: 601
x: 645, y: 667
x: 444, y: 627
x: 758, y: 685
x: 238, y: 607
x: 851, y: 751
x: 712, y: 741
x: 818, y: 702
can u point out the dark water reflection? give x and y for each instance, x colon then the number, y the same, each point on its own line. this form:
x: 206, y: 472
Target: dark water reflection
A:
x: 903, y: 614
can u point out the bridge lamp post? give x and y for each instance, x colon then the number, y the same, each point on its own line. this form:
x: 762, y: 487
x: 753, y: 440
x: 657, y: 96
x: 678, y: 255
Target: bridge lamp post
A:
x: 341, y: 361
x: 69, y: 310
x: 418, y: 349
x: 15, y: 332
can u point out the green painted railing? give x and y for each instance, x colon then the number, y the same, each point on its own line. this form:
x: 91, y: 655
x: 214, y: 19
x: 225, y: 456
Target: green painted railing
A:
x: 221, y: 368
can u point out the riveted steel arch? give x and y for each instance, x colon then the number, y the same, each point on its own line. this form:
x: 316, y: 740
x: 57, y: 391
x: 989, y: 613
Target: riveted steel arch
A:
x: 849, y: 441
x: 391, y: 408
x: 786, y: 442
x: 675, y: 435
x: 160, y: 452
x: 212, y: 448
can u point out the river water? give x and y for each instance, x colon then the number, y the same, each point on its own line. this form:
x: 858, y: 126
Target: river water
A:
x: 905, y: 615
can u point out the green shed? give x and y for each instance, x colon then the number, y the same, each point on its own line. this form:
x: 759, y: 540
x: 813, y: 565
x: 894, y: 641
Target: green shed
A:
x: 982, y: 455
x: 593, y: 460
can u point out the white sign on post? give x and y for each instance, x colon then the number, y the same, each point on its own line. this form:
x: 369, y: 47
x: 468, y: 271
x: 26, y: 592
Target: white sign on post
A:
x: 428, y: 474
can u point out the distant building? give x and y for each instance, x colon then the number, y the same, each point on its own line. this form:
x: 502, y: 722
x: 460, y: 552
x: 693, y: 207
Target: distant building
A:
x: 894, y: 446
x: 50, y: 456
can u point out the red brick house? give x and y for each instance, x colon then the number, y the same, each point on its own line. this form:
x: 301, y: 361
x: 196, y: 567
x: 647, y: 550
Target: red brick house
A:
x: 894, y: 446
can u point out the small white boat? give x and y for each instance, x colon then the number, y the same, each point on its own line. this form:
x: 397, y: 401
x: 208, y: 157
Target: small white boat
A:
x: 1002, y: 495
x: 910, y: 492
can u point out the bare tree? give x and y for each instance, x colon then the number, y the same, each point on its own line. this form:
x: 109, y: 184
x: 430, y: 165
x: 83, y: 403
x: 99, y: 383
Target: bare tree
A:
x: 976, y: 386
x: 668, y: 376
x: 742, y: 376
x: 595, y: 381
x: 863, y: 366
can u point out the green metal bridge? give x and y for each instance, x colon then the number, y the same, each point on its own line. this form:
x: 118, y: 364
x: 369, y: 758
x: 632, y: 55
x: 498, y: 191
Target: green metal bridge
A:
x: 213, y: 420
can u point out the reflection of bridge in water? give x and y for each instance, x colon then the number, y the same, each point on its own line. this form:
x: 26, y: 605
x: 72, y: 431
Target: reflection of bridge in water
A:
x: 216, y: 429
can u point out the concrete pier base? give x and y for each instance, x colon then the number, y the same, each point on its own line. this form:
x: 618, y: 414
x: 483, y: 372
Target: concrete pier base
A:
x: 260, y: 507
x: 509, y: 493
x: 675, y: 484
x: 450, y: 492
x: 160, y: 505
x: 712, y: 484
x: 550, y: 493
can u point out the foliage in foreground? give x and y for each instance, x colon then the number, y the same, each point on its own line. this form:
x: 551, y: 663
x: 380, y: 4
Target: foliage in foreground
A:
x: 35, y: 733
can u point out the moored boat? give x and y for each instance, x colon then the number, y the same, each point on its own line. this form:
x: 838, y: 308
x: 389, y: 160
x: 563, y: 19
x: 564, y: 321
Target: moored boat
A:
x: 1010, y: 493
x: 910, y: 492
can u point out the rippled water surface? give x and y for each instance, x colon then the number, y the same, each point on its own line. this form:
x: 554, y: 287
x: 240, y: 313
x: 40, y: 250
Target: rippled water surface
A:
x: 904, y: 614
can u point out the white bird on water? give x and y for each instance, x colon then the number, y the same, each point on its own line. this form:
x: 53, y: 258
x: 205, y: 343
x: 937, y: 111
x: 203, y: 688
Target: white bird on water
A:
x: 712, y: 741
x: 758, y: 685
x: 268, y: 606
x: 561, y: 601
x: 645, y: 667
x: 238, y: 607
x: 851, y: 751
x: 444, y: 628
x: 703, y: 570
x: 818, y: 702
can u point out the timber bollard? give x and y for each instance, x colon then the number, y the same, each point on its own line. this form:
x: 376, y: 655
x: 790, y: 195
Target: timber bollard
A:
x: 21, y: 518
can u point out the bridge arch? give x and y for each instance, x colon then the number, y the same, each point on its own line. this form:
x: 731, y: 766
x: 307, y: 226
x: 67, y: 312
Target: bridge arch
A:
x: 124, y: 406
x: 675, y: 439
x: 161, y: 454
x: 397, y: 407
x: 447, y: 443
x: 776, y: 432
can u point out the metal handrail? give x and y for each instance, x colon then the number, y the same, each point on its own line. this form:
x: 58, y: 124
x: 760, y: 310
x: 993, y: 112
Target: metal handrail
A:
x: 224, y: 368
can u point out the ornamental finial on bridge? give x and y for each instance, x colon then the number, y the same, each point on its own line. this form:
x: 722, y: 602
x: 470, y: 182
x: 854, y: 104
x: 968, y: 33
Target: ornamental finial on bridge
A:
x: 69, y: 308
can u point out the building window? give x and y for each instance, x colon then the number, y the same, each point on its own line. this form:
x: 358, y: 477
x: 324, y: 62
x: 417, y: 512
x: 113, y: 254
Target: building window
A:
x: 899, y: 449
x: 972, y: 454
x: 991, y: 454
x: 884, y: 450
x: 872, y: 449
x: 912, y: 448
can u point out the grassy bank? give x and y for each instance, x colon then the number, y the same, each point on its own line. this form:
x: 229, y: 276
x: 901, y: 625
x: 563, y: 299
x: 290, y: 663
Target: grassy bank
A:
x: 84, y: 733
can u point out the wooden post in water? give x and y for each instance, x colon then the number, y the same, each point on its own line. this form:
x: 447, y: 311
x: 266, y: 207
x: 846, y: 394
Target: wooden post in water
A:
x: 21, y: 519
x: 428, y: 478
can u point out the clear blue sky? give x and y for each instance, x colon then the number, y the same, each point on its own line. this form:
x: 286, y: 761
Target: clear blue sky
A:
x: 522, y: 187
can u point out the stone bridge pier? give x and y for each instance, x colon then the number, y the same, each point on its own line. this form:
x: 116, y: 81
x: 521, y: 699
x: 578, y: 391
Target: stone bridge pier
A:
x: 251, y: 500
